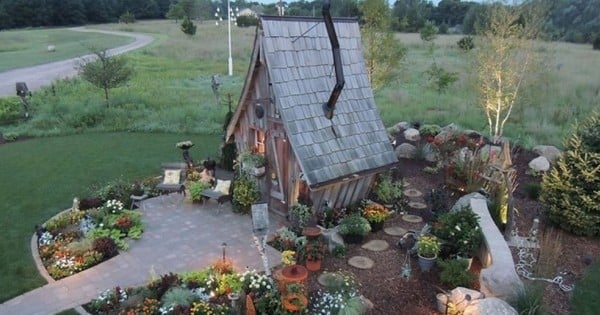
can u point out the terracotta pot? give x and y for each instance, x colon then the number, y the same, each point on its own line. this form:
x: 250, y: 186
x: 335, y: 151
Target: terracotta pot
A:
x: 313, y: 265
x: 291, y: 274
x: 294, y: 302
x: 311, y: 232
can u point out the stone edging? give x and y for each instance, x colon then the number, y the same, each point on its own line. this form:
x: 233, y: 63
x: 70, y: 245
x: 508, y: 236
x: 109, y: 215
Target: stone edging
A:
x: 40, y: 266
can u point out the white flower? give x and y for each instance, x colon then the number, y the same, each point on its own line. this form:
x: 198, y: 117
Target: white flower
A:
x: 457, y: 227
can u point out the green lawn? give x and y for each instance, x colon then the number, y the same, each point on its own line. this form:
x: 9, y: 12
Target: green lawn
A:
x: 586, y: 297
x: 23, y: 48
x: 42, y: 176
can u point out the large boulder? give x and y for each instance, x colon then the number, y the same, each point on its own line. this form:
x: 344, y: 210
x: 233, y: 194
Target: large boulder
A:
x: 489, y: 306
x: 403, y: 125
x: 539, y: 165
x: 550, y: 152
x: 460, y: 297
x: 406, y: 151
x: 465, y: 201
x: 412, y: 134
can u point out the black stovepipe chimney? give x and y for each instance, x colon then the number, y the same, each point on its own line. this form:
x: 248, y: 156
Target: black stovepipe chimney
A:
x: 329, y: 107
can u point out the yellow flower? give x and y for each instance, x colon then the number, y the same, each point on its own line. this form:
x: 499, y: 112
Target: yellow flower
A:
x: 287, y: 257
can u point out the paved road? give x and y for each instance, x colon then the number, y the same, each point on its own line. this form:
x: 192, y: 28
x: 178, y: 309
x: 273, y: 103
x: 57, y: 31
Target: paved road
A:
x: 43, y: 75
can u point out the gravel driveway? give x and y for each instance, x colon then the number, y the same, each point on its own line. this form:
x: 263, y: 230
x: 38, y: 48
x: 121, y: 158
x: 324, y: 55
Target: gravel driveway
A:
x: 42, y: 75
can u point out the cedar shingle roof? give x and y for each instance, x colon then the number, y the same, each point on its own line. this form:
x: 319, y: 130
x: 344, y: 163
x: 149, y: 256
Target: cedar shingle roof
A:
x: 300, y: 65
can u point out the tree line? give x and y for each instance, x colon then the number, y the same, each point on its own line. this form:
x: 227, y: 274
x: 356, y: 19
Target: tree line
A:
x: 567, y: 20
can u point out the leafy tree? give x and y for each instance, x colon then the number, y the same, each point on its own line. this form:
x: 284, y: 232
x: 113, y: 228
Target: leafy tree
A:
x: 383, y: 52
x: 428, y: 33
x: 571, y: 190
x: 106, y: 72
x: 441, y: 78
x: 246, y: 20
x: 127, y: 18
x: 188, y: 27
x: 175, y: 12
x: 504, y: 59
x: 410, y: 15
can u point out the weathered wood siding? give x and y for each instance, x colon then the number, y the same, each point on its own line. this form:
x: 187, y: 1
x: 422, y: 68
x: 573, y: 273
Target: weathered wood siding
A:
x: 342, y: 194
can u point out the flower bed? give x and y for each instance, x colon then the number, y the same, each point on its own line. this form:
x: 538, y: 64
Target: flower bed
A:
x: 76, y: 240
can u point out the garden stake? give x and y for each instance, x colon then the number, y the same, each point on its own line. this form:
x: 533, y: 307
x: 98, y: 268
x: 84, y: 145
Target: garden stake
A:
x: 406, y: 267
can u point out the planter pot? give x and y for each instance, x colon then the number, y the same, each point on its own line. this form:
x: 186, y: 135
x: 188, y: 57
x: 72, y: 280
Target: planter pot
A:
x: 313, y: 265
x: 376, y: 226
x: 353, y: 238
x: 426, y: 263
x: 311, y: 232
x: 294, y: 302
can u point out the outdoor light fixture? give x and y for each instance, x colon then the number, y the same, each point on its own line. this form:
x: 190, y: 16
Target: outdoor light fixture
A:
x: 223, y: 246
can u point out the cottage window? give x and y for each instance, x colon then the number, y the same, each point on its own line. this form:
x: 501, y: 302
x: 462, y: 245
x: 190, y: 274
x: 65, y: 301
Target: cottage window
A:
x: 259, y: 139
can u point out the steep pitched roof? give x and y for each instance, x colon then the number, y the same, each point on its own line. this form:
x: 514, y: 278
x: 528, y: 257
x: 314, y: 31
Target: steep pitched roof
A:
x: 300, y: 66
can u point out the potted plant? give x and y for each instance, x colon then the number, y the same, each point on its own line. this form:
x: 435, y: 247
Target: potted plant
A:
x: 387, y: 191
x: 195, y: 188
x: 376, y: 214
x: 353, y: 228
x: 428, y: 247
x: 300, y: 215
x: 245, y: 193
x: 253, y: 163
x: 315, y: 251
x: 460, y: 233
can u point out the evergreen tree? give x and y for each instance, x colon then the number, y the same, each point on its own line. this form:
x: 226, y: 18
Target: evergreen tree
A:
x: 188, y: 27
x: 571, y: 190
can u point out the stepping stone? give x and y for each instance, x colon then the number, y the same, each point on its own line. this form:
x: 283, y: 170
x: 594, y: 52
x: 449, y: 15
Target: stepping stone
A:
x: 412, y: 218
x: 412, y: 193
x: 395, y: 231
x: 376, y: 245
x: 417, y: 205
x: 361, y: 262
x: 327, y: 278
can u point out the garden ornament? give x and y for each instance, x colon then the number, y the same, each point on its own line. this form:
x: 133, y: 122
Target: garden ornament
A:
x: 406, y: 267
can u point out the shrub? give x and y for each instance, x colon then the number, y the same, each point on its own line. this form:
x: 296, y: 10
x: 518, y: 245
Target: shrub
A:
x: 90, y: 203
x: 302, y: 213
x: 161, y: 286
x: 246, y: 20
x: 460, y: 231
x: 11, y: 136
x: 245, y: 193
x: 10, y: 109
x: 466, y: 43
x: 106, y: 246
x: 570, y: 190
x: 228, y: 154
x: 196, y: 188
x: 438, y: 200
x: 386, y: 190
x: 529, y: 300
x: 430, y: 130
x: 178, y: 297
x: 455, y: 274
x: 188, y: 27
x: 533, y: 190
x: 354, y: 225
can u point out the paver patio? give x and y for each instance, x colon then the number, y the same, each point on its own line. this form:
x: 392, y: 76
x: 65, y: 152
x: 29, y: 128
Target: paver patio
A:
x: 178, y: 236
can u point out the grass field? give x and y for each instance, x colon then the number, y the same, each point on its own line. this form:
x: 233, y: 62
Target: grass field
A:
x: 22, y: 48
x: 42, y: 176
x: 171, y: 92
x: 586, y: 296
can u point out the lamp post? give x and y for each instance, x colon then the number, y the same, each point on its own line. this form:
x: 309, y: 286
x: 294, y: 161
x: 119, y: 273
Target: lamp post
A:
x: 230, y: 15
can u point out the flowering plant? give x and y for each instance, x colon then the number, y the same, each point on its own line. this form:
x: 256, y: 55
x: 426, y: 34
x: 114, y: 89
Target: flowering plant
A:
x: 113, y: 206
x: 428, y: 246
x: 460, y: 231
x: 315, y: 250
x: 257, y: 283
x: 288, y: 257
x: 340, y: 293
x: 375, y: 212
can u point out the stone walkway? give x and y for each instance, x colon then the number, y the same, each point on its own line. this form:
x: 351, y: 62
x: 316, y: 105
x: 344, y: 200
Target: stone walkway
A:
x: 178, y: 236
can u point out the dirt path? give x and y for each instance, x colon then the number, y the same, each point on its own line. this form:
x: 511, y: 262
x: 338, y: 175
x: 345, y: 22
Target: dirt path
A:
x: 42, y: 75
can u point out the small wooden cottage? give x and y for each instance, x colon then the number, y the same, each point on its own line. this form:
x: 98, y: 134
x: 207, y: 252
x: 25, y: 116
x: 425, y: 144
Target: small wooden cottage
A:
x: 284, y: 106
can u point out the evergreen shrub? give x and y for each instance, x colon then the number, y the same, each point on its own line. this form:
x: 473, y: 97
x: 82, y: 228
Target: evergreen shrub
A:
x: 571, y: 189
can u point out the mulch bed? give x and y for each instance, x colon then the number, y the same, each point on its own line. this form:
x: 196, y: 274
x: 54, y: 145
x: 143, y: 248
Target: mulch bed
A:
x: 391, y: 294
